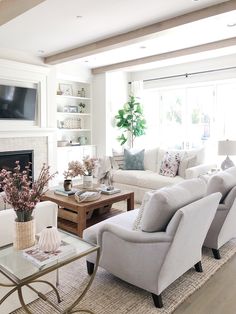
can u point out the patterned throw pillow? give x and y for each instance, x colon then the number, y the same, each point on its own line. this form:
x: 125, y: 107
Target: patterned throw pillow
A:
x: 134, y: 160
x: 170, y: 164
x: 117, y: 160
x: 137, y: 222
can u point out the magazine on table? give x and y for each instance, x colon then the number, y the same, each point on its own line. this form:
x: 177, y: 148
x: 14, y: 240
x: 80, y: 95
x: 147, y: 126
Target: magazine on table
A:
x: 40, y: 258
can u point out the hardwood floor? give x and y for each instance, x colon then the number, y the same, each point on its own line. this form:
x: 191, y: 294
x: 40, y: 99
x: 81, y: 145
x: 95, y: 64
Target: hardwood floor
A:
x: 217, y: 296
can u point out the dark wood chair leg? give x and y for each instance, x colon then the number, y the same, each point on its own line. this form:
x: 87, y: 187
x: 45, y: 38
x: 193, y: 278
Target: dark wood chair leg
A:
x: 157, y: 299
x: 216, y: 253
x: 198, y: 267
x: 90, y: 267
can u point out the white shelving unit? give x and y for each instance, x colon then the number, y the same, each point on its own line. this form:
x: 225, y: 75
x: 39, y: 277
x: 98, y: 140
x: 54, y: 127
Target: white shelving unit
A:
x: 74, y: 112
x: 73, y: 124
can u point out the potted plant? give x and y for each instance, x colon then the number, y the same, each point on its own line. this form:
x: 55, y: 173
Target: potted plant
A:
x: 130, y: 120
x: 84, y: 169
x: 23, y: 195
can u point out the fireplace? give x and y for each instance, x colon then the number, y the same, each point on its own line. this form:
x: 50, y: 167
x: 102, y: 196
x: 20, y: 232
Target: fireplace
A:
x: 8, y: 159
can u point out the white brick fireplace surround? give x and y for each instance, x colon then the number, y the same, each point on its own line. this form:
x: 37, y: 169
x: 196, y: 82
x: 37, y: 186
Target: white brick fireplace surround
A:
x: 41, y: 142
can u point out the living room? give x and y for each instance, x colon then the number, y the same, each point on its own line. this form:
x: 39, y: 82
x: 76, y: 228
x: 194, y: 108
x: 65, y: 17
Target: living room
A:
x: 82, y: 60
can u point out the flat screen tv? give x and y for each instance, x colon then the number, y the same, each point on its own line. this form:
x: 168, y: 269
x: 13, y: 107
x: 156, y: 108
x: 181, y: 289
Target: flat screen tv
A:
x: 18, y: 103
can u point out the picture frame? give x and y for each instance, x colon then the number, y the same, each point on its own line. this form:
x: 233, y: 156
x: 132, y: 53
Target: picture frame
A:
x: 66, y: 89
x: 73, y: 109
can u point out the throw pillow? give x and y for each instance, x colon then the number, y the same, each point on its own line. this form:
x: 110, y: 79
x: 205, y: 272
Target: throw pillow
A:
x: 230, y: 197
x: 134, y: 160
x: 137, y: 222
x: 170, y: 164
x: 117, y: 160
x: 222, y: 182
x: 185, y: 163
x: 163, y: 204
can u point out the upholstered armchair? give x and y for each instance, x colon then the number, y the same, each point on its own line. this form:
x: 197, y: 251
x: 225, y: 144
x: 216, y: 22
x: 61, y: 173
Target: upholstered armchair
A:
x: 223, y: 227
x: 170, y: 228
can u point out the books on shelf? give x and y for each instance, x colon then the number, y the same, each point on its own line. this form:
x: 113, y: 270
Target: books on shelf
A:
x: 40, y: 258
x: 61, y: 191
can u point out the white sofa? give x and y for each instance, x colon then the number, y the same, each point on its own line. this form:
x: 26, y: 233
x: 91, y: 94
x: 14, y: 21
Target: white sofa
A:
x: 45, y: 214
x: 141, y: 181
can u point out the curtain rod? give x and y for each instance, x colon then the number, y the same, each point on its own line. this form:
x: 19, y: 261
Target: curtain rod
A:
x: 187, y: 74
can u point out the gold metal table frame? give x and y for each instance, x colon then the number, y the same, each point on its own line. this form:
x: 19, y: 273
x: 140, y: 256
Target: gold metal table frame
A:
x: 17, y: 284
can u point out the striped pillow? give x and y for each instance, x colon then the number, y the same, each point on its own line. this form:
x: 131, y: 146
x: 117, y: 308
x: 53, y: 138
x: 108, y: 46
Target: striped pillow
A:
x: 117, y: 160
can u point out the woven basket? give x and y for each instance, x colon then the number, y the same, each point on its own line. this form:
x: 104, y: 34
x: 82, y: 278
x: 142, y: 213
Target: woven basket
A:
x: 24, y: 236
x: 72, y: 123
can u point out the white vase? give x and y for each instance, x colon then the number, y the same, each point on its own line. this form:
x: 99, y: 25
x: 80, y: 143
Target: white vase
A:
x: 88, y: 182
x: 49, y: 240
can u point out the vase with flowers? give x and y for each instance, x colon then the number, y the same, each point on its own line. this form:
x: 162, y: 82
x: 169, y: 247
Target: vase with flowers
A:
x: 23, y: 194
x: 84, y: 169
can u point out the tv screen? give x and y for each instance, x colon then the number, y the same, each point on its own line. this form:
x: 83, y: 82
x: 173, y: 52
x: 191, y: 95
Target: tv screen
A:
x: 17, y: 102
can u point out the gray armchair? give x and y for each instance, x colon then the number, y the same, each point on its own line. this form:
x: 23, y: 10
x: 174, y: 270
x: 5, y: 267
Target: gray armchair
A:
x: 153, y: 260
x: 223, y: 227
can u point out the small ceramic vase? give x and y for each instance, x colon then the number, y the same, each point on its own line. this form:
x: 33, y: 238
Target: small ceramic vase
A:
x: 49, y: 240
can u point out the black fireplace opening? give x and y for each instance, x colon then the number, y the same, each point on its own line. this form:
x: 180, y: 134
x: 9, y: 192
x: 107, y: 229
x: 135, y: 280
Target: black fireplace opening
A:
x: 8, y: 160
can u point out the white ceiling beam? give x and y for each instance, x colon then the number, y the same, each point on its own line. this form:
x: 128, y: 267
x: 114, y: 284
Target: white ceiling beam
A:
x: 9, y: 9
x: 140, y: 34
x: 167, y: 55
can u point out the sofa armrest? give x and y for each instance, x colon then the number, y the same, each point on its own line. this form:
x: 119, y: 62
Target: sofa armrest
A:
x: 133, y: 236
x: 195, y: 172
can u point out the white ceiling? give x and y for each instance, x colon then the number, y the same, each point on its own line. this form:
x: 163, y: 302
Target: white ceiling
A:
x: 53, y: 26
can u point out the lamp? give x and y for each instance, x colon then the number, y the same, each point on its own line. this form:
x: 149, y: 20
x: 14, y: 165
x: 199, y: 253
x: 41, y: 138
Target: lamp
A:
x: 227, y: 148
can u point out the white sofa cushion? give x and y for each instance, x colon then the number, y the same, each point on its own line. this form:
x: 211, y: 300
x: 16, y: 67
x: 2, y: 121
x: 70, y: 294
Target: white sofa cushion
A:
x: 164, y: 203
x: 222, y: 182
x: 150, y: 159
x: 185, y: 163
x: 144, y: 178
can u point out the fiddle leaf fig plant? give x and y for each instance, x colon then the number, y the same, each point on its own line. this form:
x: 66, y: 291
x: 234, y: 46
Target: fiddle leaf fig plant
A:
x: 130, y: 120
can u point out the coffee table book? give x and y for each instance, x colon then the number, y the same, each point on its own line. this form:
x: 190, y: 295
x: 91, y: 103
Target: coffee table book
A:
x: 61, y: 191
x: 110, y: 192
x: 40, y: 258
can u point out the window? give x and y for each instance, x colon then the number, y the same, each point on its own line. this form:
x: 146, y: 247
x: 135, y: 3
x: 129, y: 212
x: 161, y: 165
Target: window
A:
x: 191, y: 115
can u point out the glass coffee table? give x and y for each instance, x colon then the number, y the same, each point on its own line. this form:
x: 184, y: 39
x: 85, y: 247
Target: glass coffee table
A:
x: 21, y: 272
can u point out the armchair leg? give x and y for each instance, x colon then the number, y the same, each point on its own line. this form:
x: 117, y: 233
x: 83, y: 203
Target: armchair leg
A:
x: 90, y: 267
x: 198, y: 267
x: 157, y: 299
x: 216, y: 253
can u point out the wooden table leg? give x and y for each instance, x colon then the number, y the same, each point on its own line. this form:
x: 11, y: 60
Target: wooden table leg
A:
x: 81, y: 222
x: 130, y: 202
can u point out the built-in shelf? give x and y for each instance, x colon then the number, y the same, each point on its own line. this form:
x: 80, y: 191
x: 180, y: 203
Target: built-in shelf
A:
x: 74, y: 97
x: 73, y: 112
x: 72, y: 130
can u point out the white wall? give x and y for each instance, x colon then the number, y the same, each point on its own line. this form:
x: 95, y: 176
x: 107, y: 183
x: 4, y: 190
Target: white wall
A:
x: 110, y: 92
x: 117, y: 96
x: 73, y: 71
x: 99, y: 114
x: 197, y: 66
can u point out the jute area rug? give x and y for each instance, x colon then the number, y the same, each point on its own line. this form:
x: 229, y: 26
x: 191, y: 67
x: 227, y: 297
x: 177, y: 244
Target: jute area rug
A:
x: 109, y: 295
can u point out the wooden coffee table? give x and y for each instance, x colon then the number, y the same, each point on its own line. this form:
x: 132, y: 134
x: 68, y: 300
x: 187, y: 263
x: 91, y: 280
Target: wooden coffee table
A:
x: 74, y: 213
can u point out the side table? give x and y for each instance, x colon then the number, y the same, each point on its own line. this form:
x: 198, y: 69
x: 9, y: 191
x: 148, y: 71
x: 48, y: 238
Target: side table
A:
x: 21, y: 272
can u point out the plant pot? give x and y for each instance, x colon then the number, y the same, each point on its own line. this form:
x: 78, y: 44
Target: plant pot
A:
x: 24, y: 234
x: 67, y: 185
x: 88, y: 182
x: 49, y: 240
